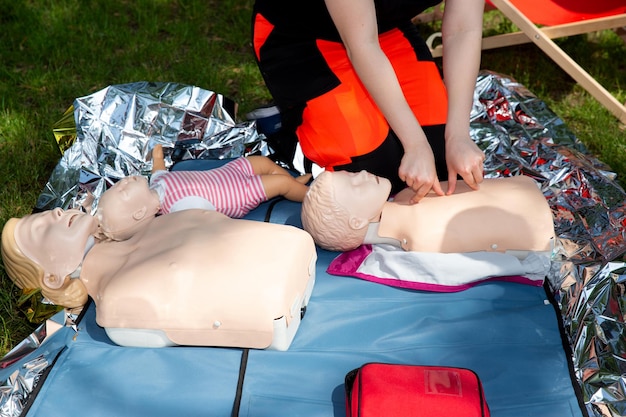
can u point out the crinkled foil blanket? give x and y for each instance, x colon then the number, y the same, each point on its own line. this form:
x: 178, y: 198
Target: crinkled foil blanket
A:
x: 112, y: 132
x: 109, y: 134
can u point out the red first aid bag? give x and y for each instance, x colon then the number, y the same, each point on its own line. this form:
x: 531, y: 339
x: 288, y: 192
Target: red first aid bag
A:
x: 380, y: 389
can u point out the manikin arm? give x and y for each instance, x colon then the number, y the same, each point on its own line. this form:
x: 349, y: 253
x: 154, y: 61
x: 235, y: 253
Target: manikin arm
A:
x: 158, y: 159
x: 158, y: 164
x: 277, y: 181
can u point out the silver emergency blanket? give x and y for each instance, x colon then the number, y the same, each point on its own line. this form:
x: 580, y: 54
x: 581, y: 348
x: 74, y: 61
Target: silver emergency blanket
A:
x: 521, y: 135
x: 114, y: 129
x: 15, y: 390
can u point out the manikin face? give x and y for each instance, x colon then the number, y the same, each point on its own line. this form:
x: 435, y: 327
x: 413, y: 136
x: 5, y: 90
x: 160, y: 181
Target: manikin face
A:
x: 130, y: 193
x: 127, y: 202
x: 361, y: 193
x: 56, y: 240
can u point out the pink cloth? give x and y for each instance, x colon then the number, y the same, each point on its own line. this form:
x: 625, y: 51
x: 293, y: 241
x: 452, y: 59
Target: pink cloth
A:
x: 422, y: 277
x: 233, y: 188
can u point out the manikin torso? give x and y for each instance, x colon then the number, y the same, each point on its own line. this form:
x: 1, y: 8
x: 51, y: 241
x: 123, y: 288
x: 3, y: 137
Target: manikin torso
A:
x: 184, y: 269
x: 504, y: 215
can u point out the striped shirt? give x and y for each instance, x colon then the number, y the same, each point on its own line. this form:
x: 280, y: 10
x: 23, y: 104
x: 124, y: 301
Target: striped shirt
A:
x: 233, y: 188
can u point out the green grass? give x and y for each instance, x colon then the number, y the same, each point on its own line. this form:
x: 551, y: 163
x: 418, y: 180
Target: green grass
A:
x: 603, y: 55
x: 52, y: 51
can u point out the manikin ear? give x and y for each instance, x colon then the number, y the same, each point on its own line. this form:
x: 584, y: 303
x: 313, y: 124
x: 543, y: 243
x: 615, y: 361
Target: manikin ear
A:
x: 139, y: 214
x: 357, y: 223
x: 52, y: 281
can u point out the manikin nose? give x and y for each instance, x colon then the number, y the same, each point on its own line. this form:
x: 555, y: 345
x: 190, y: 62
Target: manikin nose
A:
x: 57, y: 213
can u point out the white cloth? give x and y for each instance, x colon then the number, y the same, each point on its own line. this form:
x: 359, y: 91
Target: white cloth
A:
x: 451, y: 269
x: 443, y: 272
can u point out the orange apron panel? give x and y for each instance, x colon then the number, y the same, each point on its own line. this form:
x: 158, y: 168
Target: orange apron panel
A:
x: 345, y: 122
x: 262, y: 29
x: 420, y: 81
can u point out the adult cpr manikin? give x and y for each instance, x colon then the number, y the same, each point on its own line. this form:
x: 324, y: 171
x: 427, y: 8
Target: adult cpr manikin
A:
x: 193, y: 277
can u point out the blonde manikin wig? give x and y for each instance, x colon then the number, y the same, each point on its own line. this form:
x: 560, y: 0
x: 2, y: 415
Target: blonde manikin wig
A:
x: 27, y: 274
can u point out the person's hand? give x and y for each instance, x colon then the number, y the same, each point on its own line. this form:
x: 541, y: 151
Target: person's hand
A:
x: 464, y: 158
x: 417, y: 170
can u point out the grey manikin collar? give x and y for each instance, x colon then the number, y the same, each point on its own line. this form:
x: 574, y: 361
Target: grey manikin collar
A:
x: 371, y: 236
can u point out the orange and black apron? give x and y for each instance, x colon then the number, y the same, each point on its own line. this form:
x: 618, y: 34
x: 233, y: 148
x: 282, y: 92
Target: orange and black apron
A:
x: 324, y: 104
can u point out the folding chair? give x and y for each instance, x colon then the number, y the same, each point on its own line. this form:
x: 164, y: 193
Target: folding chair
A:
x: 558, y: 18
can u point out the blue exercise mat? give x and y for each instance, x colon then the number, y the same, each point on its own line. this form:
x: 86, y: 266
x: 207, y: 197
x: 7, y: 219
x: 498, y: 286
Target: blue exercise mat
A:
x: 507, y: 333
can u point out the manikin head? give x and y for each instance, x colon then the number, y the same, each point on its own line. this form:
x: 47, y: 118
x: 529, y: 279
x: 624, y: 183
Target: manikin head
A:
x: 42, y: 250
x: 339, y: 206
x: 126, y: 207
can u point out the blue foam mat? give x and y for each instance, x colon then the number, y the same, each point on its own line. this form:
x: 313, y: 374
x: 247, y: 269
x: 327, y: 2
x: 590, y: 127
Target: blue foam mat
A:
x: 507, y: 333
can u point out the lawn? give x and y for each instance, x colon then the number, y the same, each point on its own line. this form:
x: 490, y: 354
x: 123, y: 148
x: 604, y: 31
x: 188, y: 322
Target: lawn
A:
x: 54, y: 51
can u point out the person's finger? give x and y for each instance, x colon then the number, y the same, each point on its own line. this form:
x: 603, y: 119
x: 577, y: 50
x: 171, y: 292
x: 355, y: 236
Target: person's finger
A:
x: 415, y: 199
x: 470, y: 180
x: 437, y: 188
x: 451, y: 183
x: 478, y: 174
x: 420, y: 193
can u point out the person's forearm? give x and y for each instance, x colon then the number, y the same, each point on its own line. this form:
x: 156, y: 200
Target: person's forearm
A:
x: 356, y: 23
x: 378, y: 77
x: 462, y: 34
